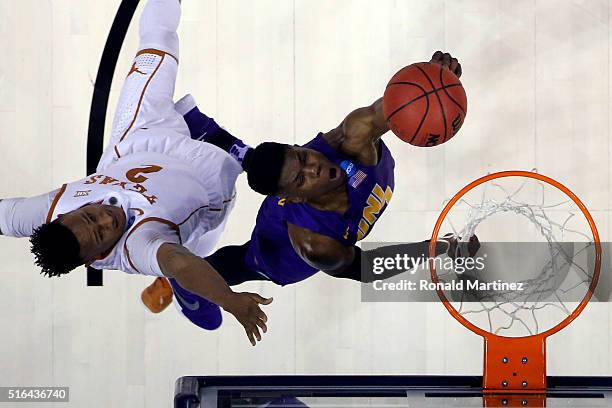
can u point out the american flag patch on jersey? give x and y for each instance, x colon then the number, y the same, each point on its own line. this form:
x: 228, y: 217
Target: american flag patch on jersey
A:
x: 356, y: 180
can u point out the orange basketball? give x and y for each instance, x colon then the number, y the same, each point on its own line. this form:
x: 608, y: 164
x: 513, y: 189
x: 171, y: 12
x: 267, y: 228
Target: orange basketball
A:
x: 424, y: 104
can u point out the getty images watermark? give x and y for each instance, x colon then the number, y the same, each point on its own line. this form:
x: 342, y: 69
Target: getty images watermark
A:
x: 385, y: 266
x: 494, y: 272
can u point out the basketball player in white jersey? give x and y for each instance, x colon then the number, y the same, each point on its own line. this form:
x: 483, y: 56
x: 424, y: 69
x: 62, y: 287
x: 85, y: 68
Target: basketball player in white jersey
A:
x: 157, y: 195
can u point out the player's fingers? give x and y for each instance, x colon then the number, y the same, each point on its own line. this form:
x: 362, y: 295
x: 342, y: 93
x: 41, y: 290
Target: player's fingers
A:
x: 458, y: 70
x: 255, y: 331
x: 252, y: 328
x: 250, y: 336
x: 436, y: 56
x: 453, y: 64
x: 262, y: 324
x: 260, y: 299
x: 446, y: 58
x: 261, y: 315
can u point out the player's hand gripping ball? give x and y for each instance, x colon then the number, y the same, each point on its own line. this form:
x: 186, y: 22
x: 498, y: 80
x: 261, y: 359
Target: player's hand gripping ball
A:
x: 424, y: 103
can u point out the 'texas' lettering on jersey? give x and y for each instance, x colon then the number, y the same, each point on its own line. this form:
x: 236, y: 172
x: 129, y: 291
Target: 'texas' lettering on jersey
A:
x: 134, y: 184
x: 377, y: 200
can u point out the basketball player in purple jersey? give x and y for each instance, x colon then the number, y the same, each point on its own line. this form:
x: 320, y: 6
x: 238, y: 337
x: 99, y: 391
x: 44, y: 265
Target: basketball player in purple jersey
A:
x: 322, y: 198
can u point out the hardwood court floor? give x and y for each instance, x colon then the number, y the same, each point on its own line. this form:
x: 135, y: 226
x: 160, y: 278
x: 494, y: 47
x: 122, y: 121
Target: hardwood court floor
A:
x: 537, y: 75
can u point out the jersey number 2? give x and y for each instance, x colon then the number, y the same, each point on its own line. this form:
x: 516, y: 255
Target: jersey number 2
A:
x: 135, y: 177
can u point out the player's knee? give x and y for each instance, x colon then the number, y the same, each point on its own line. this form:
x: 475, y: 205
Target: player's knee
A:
x: 166, y: 41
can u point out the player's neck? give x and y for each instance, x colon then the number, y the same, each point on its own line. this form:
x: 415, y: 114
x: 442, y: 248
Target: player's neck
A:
x: 335, y: 200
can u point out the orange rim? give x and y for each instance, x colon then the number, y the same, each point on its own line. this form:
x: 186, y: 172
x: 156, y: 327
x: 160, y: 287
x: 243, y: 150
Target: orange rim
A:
x: 503, y: 174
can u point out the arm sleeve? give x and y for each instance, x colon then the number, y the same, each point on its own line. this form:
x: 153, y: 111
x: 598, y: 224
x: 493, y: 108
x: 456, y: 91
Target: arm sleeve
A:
x: 158, y: 24
x: 19, y: 217
x: 142, y: 246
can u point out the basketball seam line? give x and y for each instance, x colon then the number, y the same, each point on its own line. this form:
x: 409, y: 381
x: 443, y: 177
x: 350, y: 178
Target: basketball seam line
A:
x: 408, y: 103
x: 439, y: 101
x: 449, y: 96
x: 415, y: 84
x: 425, y: 93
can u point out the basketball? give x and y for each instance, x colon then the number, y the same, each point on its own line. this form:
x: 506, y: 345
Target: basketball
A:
x: 424, y: 104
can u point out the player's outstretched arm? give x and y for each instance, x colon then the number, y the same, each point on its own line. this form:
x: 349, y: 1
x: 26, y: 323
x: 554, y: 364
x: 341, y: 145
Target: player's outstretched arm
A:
x: 363, y: 126
x: 198, y: 276
x: 335, y: 259
x: 19, y: 217
x: 319, y: 251
x: 359, y: 130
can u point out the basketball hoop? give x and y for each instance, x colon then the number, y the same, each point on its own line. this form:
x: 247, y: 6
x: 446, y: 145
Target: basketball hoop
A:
x: 517, y: 364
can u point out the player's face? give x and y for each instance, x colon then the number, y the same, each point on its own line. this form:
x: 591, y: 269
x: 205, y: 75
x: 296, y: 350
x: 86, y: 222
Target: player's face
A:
x: 308, y: 173
x: 97, y: 227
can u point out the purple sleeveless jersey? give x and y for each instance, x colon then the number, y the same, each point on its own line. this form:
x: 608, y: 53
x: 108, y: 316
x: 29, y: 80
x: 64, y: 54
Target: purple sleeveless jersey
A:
x: 370, y: 189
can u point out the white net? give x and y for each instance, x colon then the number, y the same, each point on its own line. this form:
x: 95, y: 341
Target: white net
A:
x: 534, y: 247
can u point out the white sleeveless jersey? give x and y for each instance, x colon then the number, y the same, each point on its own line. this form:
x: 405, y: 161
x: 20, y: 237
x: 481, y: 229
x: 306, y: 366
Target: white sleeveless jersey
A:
x: 175, y: 183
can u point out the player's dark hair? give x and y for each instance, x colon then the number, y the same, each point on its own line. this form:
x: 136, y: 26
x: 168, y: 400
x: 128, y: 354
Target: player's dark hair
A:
x: 56, y: 249
x: 264, y: 165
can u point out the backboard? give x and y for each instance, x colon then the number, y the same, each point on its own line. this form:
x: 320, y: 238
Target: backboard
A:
x: 381, y: 391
